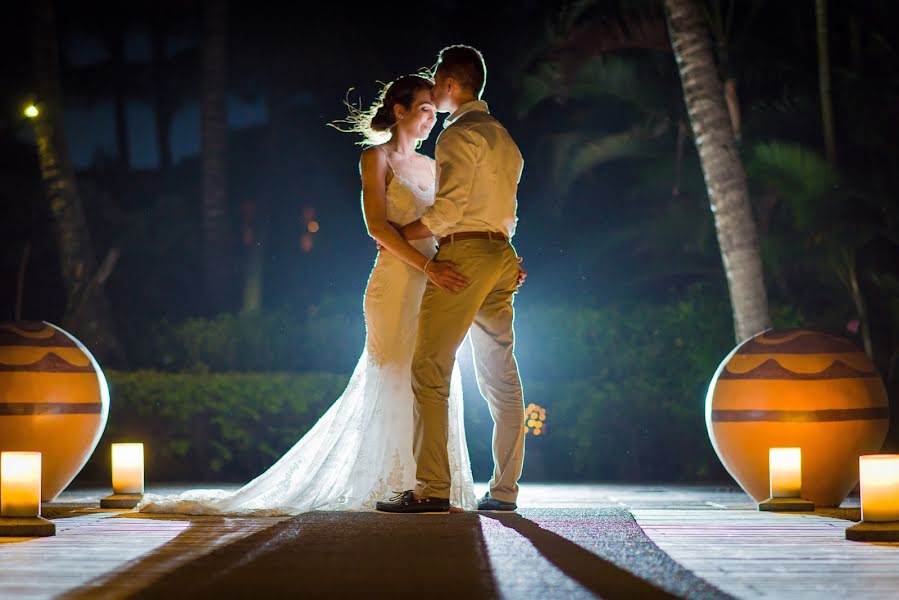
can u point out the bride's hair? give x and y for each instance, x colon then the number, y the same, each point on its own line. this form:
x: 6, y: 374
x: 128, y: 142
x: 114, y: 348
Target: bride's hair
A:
x: 376, y: 123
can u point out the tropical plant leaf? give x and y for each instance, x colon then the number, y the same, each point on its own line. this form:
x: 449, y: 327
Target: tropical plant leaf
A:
x: 626, y: 79
x: 575, y: 154
x: 543, y: 83
x: 798, y: 174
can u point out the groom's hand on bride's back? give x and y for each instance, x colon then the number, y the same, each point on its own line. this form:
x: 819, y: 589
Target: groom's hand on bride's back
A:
x: 446, y: 275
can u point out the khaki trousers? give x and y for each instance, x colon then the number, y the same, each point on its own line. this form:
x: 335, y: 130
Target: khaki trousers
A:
x: 484, y: 308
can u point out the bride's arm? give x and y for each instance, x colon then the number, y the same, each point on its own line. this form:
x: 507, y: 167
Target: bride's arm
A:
x: 373, y: 166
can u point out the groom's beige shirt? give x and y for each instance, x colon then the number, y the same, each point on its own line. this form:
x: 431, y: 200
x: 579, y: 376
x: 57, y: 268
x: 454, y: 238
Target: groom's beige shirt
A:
x: 478, y: 169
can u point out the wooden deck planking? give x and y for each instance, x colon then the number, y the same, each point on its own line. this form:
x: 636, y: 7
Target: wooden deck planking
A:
x: 752, y: 554
x: 714, y: 532
x: 110, y: 555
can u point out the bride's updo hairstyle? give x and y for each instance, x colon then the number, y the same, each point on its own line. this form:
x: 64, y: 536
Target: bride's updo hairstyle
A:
x: 376, y: 124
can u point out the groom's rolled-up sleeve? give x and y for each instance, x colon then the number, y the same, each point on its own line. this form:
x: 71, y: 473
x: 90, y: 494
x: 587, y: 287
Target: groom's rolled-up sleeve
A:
x: 457, y: 157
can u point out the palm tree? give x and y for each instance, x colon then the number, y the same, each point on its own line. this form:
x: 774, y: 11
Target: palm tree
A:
x: 721, y: 166
x: 824, y: 80
x: 213, y: 176
x: 87, y: 308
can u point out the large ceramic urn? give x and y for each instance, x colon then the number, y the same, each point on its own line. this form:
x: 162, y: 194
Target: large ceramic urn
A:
x: 797, y: 388
x: 53, y: 399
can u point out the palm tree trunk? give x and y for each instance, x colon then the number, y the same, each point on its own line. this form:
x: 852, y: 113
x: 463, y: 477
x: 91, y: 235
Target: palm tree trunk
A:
x: 724, y: 175
x: 861, y: 307
x: 830, y: 146
x: 20, y: 280
x: 87, y: 308
x: 217, y: 259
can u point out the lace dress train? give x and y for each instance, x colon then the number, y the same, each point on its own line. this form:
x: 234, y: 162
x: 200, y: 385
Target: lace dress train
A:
x: 360, y: 450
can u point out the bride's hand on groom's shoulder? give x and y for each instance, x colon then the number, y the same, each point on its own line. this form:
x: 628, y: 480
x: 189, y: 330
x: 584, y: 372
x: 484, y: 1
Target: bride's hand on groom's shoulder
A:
x: 522, y: 274
x: 446, y: 276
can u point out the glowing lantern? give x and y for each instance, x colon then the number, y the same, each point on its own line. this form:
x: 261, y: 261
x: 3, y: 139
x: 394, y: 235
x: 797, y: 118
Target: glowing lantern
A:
x: 20, y: 496
x: 785, y: 476
x: 127, y: 476
x: 879, y: 490
x: 879, y: 475
x: 31, y: 111
x: 20, y: 484
x: 785, y: 467
x: 128, y: 468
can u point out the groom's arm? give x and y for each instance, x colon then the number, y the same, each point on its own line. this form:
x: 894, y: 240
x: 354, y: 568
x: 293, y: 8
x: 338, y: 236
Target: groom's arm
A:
x: 416, y: 230
x: 457, y: 157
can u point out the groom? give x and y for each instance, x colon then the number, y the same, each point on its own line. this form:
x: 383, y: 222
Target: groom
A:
x: 473, y: 216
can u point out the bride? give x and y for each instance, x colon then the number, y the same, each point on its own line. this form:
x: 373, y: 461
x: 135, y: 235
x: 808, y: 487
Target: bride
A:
x: 361, y: 449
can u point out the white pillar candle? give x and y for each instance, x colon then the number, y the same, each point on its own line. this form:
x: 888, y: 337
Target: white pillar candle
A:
x: 785, y: 472
x: 879, y: 487
x: 20, y: 484
x: 128, y: 468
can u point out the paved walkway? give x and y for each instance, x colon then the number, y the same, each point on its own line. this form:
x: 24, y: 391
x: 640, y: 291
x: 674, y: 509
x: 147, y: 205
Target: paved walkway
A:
x: 567, y: 541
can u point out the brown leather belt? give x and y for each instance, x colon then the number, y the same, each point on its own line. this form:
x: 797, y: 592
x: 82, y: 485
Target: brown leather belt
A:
x: 472, y: 235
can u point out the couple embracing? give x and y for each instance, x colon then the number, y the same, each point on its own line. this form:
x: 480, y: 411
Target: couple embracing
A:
x: 445, y: 269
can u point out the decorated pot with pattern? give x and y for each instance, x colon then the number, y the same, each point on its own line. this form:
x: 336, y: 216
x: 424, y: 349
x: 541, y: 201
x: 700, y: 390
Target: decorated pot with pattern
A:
x: 797, y: 388
x: 53, y: 399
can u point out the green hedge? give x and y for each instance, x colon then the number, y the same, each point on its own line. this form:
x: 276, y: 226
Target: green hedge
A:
x: 230, y: 427
x: 623, y: 387
x: 215, y: 426
x: 255, y: 342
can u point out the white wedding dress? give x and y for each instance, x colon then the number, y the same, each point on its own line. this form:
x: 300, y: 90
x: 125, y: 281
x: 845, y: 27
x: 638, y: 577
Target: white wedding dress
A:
x: 360, y: 451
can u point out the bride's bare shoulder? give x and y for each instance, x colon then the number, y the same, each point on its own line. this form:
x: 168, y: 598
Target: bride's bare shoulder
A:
x: 373, y: 157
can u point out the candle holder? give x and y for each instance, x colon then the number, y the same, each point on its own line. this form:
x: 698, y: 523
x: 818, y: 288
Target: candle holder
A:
x: 127, y: 476
x: 785, y: 481
x: 879, y: 490
x: 20, y: 496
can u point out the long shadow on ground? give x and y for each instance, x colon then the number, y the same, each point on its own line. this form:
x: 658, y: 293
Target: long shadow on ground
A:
x: 343, y: 555
x: 606, y: 552
x: 576, y: 553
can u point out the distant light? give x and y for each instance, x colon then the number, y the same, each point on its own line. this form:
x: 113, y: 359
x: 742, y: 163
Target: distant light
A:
x: 313, y: 227
x: 535, y: 419
x: 31, y: 111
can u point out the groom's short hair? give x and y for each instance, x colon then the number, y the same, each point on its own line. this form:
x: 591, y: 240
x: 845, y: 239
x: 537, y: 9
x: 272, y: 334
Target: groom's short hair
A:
x: 464, y: 64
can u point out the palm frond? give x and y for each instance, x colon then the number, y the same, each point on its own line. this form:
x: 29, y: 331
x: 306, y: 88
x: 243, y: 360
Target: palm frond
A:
x: 541, y: 84
x: 627, y: 79
x: 577, y: 153
x: 797, y: 173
